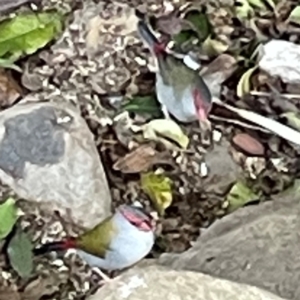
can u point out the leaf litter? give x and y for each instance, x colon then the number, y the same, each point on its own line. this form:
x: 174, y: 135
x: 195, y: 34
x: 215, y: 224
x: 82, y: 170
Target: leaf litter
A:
x: 104, y: 60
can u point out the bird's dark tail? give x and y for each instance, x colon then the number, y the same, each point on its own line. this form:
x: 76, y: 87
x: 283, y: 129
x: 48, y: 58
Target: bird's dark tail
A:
x: 150, y: 39
x: 55, y: 246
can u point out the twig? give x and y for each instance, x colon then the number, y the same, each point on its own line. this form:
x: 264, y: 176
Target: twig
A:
x: 266, y: 94
x: 239, y: 123
x: 272, y: 125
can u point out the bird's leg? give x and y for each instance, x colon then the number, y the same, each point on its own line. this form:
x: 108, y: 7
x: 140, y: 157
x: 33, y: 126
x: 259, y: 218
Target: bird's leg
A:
x: 165, y: 111
x: 206, y: 132
x: 102, y: 275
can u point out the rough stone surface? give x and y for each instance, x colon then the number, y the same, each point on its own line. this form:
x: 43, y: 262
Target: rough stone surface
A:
x: 257, y: 245
x: 281, y: 59
x: 161, y: 283
x: 223, y: 172
x: 48, y: 155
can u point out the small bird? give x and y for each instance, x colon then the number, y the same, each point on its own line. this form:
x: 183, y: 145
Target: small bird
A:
x: 180, y: 89
x: 118, y: 242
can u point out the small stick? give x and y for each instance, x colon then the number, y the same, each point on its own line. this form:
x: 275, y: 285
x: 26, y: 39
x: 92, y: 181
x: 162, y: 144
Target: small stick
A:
x: 267, y: 94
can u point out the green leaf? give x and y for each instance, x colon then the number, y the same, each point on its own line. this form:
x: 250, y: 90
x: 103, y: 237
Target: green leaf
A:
x: 143, y: 105
x: 293, y: 119
x: 158, y: 188
x: 26, y: 33
x: 294, y: 16
x: 239, y: 195
x: 183, y: 37
x: 8, y: 217
x: 199, y: 23
x: 20, y: 254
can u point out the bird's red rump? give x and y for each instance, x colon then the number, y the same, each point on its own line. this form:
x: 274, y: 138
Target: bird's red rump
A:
x: 159, y: 48
x: 56, y: 246
x: 200, y: 105
x: 69, y: 243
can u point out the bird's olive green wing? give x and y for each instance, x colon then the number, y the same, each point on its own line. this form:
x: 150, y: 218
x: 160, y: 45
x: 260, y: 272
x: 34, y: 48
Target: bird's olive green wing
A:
x: 97, y: 240
x: 176, y: 74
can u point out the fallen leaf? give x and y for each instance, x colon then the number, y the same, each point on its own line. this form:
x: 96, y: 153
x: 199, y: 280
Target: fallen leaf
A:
x: 8, y: 217
x: 244, y: 85
x: 195, y: 24
x: 199, y: 22
x: 294, y: 16
x: 26, y: 33
x: 139, y: 160
x: 183, y: 37
x: 40, y: 287
x: 212, y: 47
x: 158, y: 188
x: 20, y: 254
x: 165, y: 128
x: 257, y: 3
x: 10, y: 91
x: 143, y: 105
x: 240, y: 195
x: 243, y: 9
x: 293, y: 119
x: 271, y: 4
x: 248, y: 144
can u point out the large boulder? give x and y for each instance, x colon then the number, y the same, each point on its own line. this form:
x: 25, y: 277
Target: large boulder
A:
x: 257, y: 245
x: 156, y: 282
x: 48, y: 155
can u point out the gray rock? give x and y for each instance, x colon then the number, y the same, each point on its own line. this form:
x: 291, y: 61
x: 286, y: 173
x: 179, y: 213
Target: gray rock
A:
x: 155, y: 282
x: 257, y: 245
x: 281, y: 59
x: 48, y: 155
x: 223, y: 172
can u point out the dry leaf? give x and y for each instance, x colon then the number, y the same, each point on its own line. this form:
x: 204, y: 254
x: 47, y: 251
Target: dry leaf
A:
x: 248, y: 144
x: 166, y: 128
x: 139, y: 160
x: 294, y: 16
x: 243, y: 9
x: 213, y: 47
x: 243, y: 86
x: 10, y: 91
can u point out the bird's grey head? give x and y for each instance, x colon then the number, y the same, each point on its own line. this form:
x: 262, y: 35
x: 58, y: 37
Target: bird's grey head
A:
x: 138, y: 217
